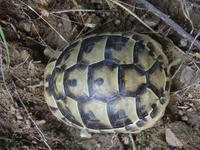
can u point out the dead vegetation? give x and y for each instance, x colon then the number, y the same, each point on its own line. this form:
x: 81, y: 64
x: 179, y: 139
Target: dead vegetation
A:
x: 31, y: 26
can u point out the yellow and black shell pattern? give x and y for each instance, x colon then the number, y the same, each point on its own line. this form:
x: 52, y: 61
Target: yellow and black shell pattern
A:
x: 108, y: 83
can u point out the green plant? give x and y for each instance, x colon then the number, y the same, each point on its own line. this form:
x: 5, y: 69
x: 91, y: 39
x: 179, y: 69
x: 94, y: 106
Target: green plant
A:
x: 5, y: 44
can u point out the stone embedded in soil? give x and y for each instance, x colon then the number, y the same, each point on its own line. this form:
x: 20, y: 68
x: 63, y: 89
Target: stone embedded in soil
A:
x: 117, y: 21
x: 187, y: 75
x: 180, y: 112
x: 188, y: 137
x: 171, y: 139
x: 184, y: 118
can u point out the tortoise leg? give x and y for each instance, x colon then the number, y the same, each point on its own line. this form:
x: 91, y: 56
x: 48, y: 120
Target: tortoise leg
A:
x: 49, y: 52
x: 84, y: 134
x: 176, y: 62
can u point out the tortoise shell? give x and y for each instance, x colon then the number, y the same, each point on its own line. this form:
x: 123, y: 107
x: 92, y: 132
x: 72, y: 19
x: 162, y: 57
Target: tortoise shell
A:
x: 108, y: 83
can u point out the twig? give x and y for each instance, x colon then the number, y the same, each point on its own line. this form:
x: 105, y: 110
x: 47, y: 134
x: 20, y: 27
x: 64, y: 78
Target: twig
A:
x: 6, y: 139
x: 22, y: 63
x: 132, y: 141
x: 170, y: 22
x: 78, y: 6
x: 42, y: 42
x: 45, y: 21
x: 11, y: 97
x: 131, y: 6
x: 186, y: 55
x: 133, y: 14
x: 198, y: 34
x: 187, y: 14
x: 3, y: 75
x: 40, y: 133
x: 55, y: 15
x: 194, y: 99
x: 74, y: 10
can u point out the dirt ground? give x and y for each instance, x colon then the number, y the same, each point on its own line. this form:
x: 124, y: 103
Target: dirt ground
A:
x: 31, y: 26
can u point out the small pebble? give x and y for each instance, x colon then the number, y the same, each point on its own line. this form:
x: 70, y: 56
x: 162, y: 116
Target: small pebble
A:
x: 60, y: 24
x: 40, y: 122
x: 187, y: 75
x: 180, y: 112
x: 19, y: 116
x: 33, y: 142
x: 184, y: 118
x: 126, y: 140
x: 117, y: 22
x: 98, y: 145
x: 190, y: 95
x: 183, y: 42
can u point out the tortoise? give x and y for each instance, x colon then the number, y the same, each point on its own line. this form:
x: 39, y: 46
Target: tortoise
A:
x: 109, y: 83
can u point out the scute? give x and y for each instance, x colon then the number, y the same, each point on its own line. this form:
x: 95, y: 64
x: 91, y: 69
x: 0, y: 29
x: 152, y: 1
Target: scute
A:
x: 119, y: 49
x: 92, y: 50
x: 69, y: 56
x: 108, y: 83
x: 75, y: 82
x: 69, y: 108
x: 94, y: 114
x: 131, y: 79
x: 108, y: 73
x: 122, y: 111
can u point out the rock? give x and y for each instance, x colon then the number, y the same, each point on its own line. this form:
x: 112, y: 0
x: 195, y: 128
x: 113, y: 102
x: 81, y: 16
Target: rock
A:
x: 85, y: 134
x: 171, y: 139
x: 187, y: 136
x: 184, y: 118
x: 19, y: 116
x: 190, y: 95
x: 187, y: 75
